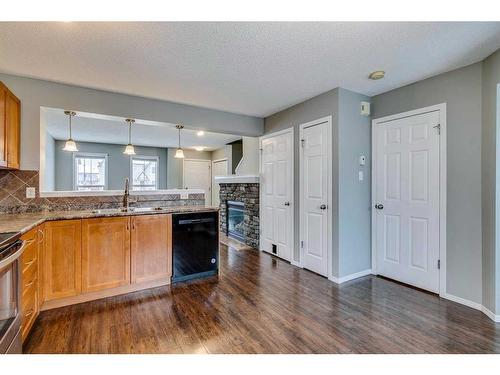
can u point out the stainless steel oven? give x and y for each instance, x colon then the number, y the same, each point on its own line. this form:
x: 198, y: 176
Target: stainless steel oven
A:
x: 11, y: 248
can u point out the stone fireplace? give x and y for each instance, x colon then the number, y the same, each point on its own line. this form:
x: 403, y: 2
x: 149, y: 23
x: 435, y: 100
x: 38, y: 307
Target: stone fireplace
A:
x: 239, y: 210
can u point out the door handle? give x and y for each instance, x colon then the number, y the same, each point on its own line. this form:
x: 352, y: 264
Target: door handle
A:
x: 322, y: 207
x: 379, y: 206
x: 287, y: 203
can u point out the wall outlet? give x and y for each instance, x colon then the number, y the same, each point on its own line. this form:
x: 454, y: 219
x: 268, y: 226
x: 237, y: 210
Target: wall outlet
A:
x: 30, y: 192
x: 362, y: 160
x: 184, y: 195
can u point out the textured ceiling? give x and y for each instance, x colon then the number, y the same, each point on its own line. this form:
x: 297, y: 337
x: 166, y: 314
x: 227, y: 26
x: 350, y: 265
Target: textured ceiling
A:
x: 250, y: 68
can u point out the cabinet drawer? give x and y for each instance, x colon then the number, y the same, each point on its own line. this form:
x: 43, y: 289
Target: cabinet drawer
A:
x: 30, y: 254
x: 30, y: 275
x: 30, y: 309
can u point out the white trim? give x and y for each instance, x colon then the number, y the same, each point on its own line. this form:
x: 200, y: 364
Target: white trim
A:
x: 91, y: 155
x: 214, y: 178
x: 209, y: 192
x: 352, y: 276
x: 145, y: 157
x: 473, y: 305
x: 55, y: 194
x: 442, y: 185
x: 237, y: 179
x: 328, y: 121
x: 292, y: 193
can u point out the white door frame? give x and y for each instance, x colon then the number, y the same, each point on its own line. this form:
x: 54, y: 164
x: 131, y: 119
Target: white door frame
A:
x: 328, y: 120
x: 441, y: 108
x: 292, y: 199
x: 212, y: 175
x: 210, y: 170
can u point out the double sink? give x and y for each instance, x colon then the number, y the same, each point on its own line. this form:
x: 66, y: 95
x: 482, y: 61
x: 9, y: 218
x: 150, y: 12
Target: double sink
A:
x: 130, y: 209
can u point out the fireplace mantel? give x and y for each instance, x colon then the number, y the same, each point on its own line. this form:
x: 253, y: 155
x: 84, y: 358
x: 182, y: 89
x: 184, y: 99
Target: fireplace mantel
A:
x: 238, y: 179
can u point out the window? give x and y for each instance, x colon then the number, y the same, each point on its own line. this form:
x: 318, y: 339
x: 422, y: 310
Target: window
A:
x: 144, y: 172
x: 90, y: 171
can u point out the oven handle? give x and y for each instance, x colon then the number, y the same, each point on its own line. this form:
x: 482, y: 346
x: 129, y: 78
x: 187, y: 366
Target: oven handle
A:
x: 9, y: 260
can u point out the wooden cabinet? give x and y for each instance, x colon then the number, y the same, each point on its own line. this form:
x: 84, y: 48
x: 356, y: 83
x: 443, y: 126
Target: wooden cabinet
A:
x: 105, y: 253
x: 10, y: 128
x: 41, y: 252
x: 30, y: 298
x: 151, y: 247
x: 62, y: 259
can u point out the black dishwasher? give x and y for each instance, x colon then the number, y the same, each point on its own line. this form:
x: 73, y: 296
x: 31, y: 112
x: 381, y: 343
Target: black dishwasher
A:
x: 195, y: 240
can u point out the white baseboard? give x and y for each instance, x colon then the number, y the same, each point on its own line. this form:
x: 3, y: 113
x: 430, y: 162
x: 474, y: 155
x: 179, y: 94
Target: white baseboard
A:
x: 352, y: 276
x: 472, y: 304
x: 296, y: 264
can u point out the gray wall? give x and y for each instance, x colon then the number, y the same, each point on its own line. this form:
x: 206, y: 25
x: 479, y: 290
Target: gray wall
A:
x: 118, y: 163
x: 320, y: 106
x: 236, y: 154
x: 461, y: 90
x: 34, y: 93
x: 354, y: 218
x: 490, y: 182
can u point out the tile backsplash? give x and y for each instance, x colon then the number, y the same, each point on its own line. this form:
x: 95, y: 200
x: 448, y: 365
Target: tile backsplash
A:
x: 13, y: 199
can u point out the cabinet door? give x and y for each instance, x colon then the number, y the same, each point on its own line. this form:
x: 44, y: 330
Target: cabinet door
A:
x: 62, y: 259
x: 3, y: 139
x: 12, y: 125
x: 105, y: 253
x: 151, y: 243
x: 41, y: 253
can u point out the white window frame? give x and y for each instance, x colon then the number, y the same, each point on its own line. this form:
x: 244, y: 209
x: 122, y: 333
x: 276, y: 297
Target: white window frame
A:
x: 90, y: 155
x: 144, y: 157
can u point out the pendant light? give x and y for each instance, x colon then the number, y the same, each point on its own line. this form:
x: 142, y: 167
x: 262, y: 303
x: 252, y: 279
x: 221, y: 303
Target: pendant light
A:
x: 179, y: 154
x: 129, y: 150
x: 70, y: 143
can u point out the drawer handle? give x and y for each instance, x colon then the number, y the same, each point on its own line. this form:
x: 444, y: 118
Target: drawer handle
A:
x: 29, y: 312
x: 30, y: 283
x: 30, y: 262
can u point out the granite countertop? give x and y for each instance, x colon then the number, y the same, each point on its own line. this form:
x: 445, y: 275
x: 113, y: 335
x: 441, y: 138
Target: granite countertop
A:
x: 27, y: 221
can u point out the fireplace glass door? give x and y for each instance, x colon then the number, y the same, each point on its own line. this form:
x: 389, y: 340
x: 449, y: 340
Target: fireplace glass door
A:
x: 236, y: 220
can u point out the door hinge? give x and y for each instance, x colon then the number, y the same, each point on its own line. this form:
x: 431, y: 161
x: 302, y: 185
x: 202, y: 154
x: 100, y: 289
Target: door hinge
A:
x: 439, y: 264
x: 438, y: 127
x: 302, y: 142
x: 301, y: 244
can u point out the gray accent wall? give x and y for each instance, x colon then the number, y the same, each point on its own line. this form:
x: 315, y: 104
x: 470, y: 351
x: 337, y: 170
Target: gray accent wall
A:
x: 118, y: 163
x: 354, y: 218
x: 491, y: 182
x: 461, y: 91
x: 35, y: 93
x: 350, y: 208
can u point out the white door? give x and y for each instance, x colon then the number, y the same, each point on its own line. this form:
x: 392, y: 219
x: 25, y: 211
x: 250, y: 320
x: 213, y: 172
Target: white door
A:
x: 406, y: 158
x: 277, y: 194
x: 196, y: 175
x: 315, y: 179
x: 219, y: 168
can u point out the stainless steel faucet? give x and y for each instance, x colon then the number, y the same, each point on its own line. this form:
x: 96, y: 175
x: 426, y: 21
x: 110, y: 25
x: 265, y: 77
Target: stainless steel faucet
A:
x: 126, y: 195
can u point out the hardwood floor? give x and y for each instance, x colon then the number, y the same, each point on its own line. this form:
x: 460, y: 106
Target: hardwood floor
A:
x: 260, y: 304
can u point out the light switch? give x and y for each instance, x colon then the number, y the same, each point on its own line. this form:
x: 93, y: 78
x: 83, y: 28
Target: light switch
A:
x: 360, y: 175
x: 30, y: 192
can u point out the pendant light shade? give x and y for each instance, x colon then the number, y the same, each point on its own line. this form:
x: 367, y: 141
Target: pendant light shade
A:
x: 129, y: 149
x: 70, y: 143
x: 179, y: 154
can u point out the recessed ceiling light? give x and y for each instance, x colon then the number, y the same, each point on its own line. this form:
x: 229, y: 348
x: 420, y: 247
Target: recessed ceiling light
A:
x: 200, y: 133
x: 378, y: 74
x: 199, y: 148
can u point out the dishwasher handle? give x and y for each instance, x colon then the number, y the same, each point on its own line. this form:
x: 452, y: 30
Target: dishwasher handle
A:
x: 195, y: 221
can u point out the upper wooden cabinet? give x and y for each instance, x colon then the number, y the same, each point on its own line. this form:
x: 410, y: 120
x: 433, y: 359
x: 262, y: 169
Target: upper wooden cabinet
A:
x: 10, y: 128
x: 105, y: 253
x: 62, y: 259
x: 151, y: 246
